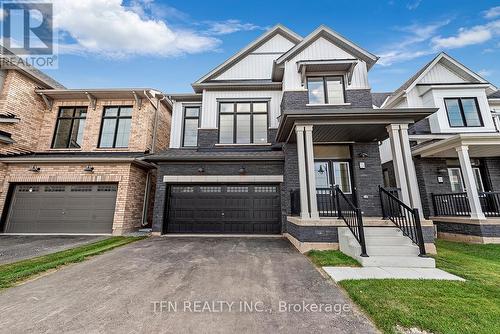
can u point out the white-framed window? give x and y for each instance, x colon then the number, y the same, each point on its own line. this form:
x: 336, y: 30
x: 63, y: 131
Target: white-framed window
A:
x: 457, y: 181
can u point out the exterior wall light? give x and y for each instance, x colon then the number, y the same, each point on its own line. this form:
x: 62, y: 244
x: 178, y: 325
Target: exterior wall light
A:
x: 88, y: 169
x: 201, y: 170
x: 242, y: 170
x: 34, y: 169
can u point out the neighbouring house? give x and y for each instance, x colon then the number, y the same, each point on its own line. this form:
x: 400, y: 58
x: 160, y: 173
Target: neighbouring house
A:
x: 71, y: 160
x: 456, y: 150
x: 283, y: 138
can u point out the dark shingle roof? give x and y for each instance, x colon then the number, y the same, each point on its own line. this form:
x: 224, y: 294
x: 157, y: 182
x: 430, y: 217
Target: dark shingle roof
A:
x: 89, y: 155
x: 216, y: 154
x: 379, y: 98
x: 494, y: 95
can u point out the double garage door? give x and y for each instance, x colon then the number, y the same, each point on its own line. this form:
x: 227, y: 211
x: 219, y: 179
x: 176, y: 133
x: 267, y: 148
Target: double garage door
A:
x: 224, y: 209
x: 61, y: 208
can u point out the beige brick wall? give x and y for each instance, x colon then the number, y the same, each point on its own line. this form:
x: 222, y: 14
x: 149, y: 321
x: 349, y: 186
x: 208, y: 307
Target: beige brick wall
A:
x: 18, y: 97
x: 131, y: 181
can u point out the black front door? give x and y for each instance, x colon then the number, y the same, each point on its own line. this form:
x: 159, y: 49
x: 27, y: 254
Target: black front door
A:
x: 328, y: 174
x: 224, y: 209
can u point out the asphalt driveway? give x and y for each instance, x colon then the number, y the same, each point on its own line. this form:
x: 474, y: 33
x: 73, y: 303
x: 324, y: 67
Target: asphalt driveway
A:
x: 184, y: 285
x: 19, y: 247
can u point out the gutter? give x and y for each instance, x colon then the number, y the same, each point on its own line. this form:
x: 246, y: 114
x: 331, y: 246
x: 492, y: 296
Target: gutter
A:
x: 10, y: 160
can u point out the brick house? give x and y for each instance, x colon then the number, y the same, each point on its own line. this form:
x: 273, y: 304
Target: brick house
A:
x: 72, y: 160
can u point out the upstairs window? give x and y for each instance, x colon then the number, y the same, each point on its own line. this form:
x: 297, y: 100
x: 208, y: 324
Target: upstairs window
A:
x: 463, y: 112
x: 190, y: 126
x: 243, y: 122
x: 115, y: 128
x: 326, y: 90
x: 69, y: 127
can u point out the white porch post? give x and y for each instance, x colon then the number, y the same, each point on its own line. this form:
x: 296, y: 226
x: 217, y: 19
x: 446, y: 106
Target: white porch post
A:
x: 411, y: 175
x: 304, y: 207
x: 398, y: 162
x: 476, y: 212
x: 311, y: 179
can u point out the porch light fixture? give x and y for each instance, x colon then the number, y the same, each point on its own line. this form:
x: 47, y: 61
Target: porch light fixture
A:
x: 363, y: 155
x: 201, y: 170
x: 242, y: 170
x: 34, y: 169
x: 88, y: 169
x: 442, y: 171
x: 321, y: 170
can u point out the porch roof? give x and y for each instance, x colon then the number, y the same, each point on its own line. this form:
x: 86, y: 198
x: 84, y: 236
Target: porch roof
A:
x: 480, y: 145
x: 347, y: 124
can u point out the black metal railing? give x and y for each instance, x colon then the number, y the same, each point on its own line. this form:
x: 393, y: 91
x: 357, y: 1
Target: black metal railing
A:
x: 352, y: 217
x: 404, y: 217
x: 457, y: 204
x: 325, y: 197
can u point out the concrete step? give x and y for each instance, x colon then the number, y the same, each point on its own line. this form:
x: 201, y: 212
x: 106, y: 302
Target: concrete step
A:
x: 382, y: 231
x: 406, y: 250
x: 387, y: 241
x: 397, y: 261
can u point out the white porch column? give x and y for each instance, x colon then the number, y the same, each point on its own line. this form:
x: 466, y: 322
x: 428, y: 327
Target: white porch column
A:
x: 304, y: 207
x: 311, y: 179
x: 476, y: 212
x: 411, y: 175
x: 398, y: 161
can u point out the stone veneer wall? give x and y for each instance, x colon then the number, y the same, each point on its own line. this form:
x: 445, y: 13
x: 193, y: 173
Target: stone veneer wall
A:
x: 130, y: 178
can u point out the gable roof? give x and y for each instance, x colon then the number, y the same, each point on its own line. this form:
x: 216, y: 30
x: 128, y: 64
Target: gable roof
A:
x: 335, y: 38
x: 443, y: 58
x: 32, y: 72
x: 278, y: 29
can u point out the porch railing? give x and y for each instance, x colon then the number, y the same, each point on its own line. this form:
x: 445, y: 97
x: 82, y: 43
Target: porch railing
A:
x: 352, y: 217
x: 404, y: 217
x: 327, y: 205
x: 457, y: 204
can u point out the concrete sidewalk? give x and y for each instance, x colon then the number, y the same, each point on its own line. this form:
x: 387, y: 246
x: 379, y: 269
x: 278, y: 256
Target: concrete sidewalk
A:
x: 346, y: 273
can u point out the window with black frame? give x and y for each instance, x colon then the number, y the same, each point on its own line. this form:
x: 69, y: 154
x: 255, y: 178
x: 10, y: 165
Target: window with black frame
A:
x: 463, y: 112
x: 69, y: 127
x: 326, y: 90
x: 190, y: 126
x: 115, y: 128
x: 243, y: 122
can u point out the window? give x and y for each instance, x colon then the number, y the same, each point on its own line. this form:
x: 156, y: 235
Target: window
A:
x: 457, y: 182
x: 243, y: 122
x: 338, y: 171
x: 326, y: 90
x: 190, y: 126
x: 463, y: 112
x: 69, y: 127
x: 115, y: 129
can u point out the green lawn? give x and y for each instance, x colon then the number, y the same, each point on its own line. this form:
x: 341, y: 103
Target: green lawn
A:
x: 13, y: 273
x: 439, y: 306
x: 333, y: 258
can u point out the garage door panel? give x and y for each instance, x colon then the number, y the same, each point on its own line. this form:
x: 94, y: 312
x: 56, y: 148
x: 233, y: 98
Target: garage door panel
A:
x: 231, y: 209
x: 62, y: 208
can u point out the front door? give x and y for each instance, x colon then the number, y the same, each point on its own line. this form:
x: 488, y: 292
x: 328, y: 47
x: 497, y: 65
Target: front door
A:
x: 328, y: 174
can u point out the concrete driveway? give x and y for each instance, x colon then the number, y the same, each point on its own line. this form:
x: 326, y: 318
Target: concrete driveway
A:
x: 19, y: 247
x: 184, y: 285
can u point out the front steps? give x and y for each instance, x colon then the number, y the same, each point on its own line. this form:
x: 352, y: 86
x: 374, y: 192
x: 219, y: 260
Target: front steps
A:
x: 386, y: 247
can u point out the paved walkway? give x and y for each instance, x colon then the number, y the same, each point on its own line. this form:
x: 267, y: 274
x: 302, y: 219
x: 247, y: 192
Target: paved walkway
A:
x: 184, y: 285
x: 345, y: 273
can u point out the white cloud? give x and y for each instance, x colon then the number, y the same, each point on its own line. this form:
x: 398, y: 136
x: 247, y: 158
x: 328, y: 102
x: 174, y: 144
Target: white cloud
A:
x: 468, y: 36
x: 230, y: 26
x: 412, y: 45
x: 492, y: 12
x: 107, y: 27
x: 485, y: 72
x: 413, y: 4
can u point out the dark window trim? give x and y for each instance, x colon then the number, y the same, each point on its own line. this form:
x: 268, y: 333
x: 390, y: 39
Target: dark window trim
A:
x: 235, y: 113
x: 325, y: 90
x: 462, y: 113
x: 184, y: 117
x: 117, y: 117
x: 71, y: 126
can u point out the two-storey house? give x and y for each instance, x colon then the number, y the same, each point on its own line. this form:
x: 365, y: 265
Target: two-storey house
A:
x: 456, y: 150
x: 282, y: 138
x: 72, y: 159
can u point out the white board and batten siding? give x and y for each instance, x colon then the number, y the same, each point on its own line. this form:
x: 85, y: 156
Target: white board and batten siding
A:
x: 258, y: 64
x: 322, y: 49
x: 441, y: 74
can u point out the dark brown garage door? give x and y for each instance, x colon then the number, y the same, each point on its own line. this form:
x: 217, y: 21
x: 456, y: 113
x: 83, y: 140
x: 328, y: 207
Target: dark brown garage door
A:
x: 226, y: 209
x: 62, y: 208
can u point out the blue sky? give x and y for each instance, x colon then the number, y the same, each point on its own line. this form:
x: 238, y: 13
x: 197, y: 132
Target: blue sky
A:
x: 169, y: 44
